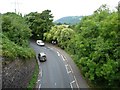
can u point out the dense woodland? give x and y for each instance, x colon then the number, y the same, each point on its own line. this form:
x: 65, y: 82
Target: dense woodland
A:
x: 94, y: 43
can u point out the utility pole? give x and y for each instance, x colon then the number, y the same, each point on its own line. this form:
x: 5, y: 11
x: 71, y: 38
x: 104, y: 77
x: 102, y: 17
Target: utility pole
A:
x: 16, y: 7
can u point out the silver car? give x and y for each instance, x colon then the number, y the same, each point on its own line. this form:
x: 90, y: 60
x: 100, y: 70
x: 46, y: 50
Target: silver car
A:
x: 42, y: 57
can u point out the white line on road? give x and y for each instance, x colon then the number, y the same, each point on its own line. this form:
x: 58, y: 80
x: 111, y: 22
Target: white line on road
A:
x: 40, y: 86
x: 41, y: 72
x: 38, y: 80
x: 71, y: 84
x: 55, y: 84
x: 76, y: 82
x: 62, y: 58
x: 58, y: 53
x: 71, y: 68
x: 66, y: 66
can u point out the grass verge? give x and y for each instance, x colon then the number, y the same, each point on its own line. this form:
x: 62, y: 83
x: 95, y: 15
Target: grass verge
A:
x: 33, y: 80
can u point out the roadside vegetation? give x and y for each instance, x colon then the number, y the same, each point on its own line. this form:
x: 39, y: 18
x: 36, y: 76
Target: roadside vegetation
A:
x: 15, y: 37
x: 94, y: 44
x: 32, y: 83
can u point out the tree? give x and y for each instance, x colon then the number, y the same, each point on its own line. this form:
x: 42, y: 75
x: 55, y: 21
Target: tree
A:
x: 61, y: 34
x: 15, y: 35
x: 15, y: 28
x: 97, y: 47
x: 39, y: 23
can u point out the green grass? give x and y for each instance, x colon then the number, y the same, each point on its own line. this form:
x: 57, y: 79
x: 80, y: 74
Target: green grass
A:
x: 33, y: 80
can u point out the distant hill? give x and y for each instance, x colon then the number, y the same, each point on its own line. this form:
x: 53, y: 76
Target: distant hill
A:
x: 69, y: 20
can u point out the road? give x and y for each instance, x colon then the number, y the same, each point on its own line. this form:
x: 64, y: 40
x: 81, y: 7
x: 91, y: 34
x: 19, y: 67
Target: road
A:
x: 59, y: 71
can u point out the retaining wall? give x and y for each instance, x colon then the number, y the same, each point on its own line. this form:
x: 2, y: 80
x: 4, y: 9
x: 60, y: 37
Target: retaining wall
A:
x: 17, y: 73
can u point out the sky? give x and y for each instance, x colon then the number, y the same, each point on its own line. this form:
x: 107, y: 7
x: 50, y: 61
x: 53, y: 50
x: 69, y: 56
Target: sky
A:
x: 59, y: 8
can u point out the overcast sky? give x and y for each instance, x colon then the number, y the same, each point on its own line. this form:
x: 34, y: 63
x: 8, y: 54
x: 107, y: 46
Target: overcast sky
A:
x: 59, y: 8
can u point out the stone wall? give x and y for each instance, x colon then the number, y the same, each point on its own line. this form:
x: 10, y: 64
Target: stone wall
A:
x: 17, y: 73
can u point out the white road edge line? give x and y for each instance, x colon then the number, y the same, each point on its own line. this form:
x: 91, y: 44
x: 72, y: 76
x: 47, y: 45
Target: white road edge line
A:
x: 40, y: 86
x: 71, y: 85
x: 71, y: 68
x: 76, y: 82
x: 39, y: 80
x: 58, y: 53
x: 65, y: 58
x: 41, y: 72
x: 62, y: 58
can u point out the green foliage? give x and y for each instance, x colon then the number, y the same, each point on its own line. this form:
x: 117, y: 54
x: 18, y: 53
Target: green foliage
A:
x: 12, y: 50
x: 97, y: 47
x: 34, y: 78
x: 94, y: 46
x: 15, y: 28
x: 15, y: 35
x: 61, y: 34
x: 39, y: 23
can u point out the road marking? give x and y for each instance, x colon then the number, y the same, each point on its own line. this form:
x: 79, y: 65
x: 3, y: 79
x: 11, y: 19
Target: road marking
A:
x: 58, y: 53
x: 66, y: 66
x: 40, y: 86
x: 71, y: 68
x: 55, y: 84
x: 76, y: 82
x: 71, y: 84
x: 41, y: 72
x: 38, y: 80
x: 63, y: 58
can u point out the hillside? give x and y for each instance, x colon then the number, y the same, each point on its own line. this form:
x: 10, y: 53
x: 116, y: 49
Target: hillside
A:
x: 69, y: 20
